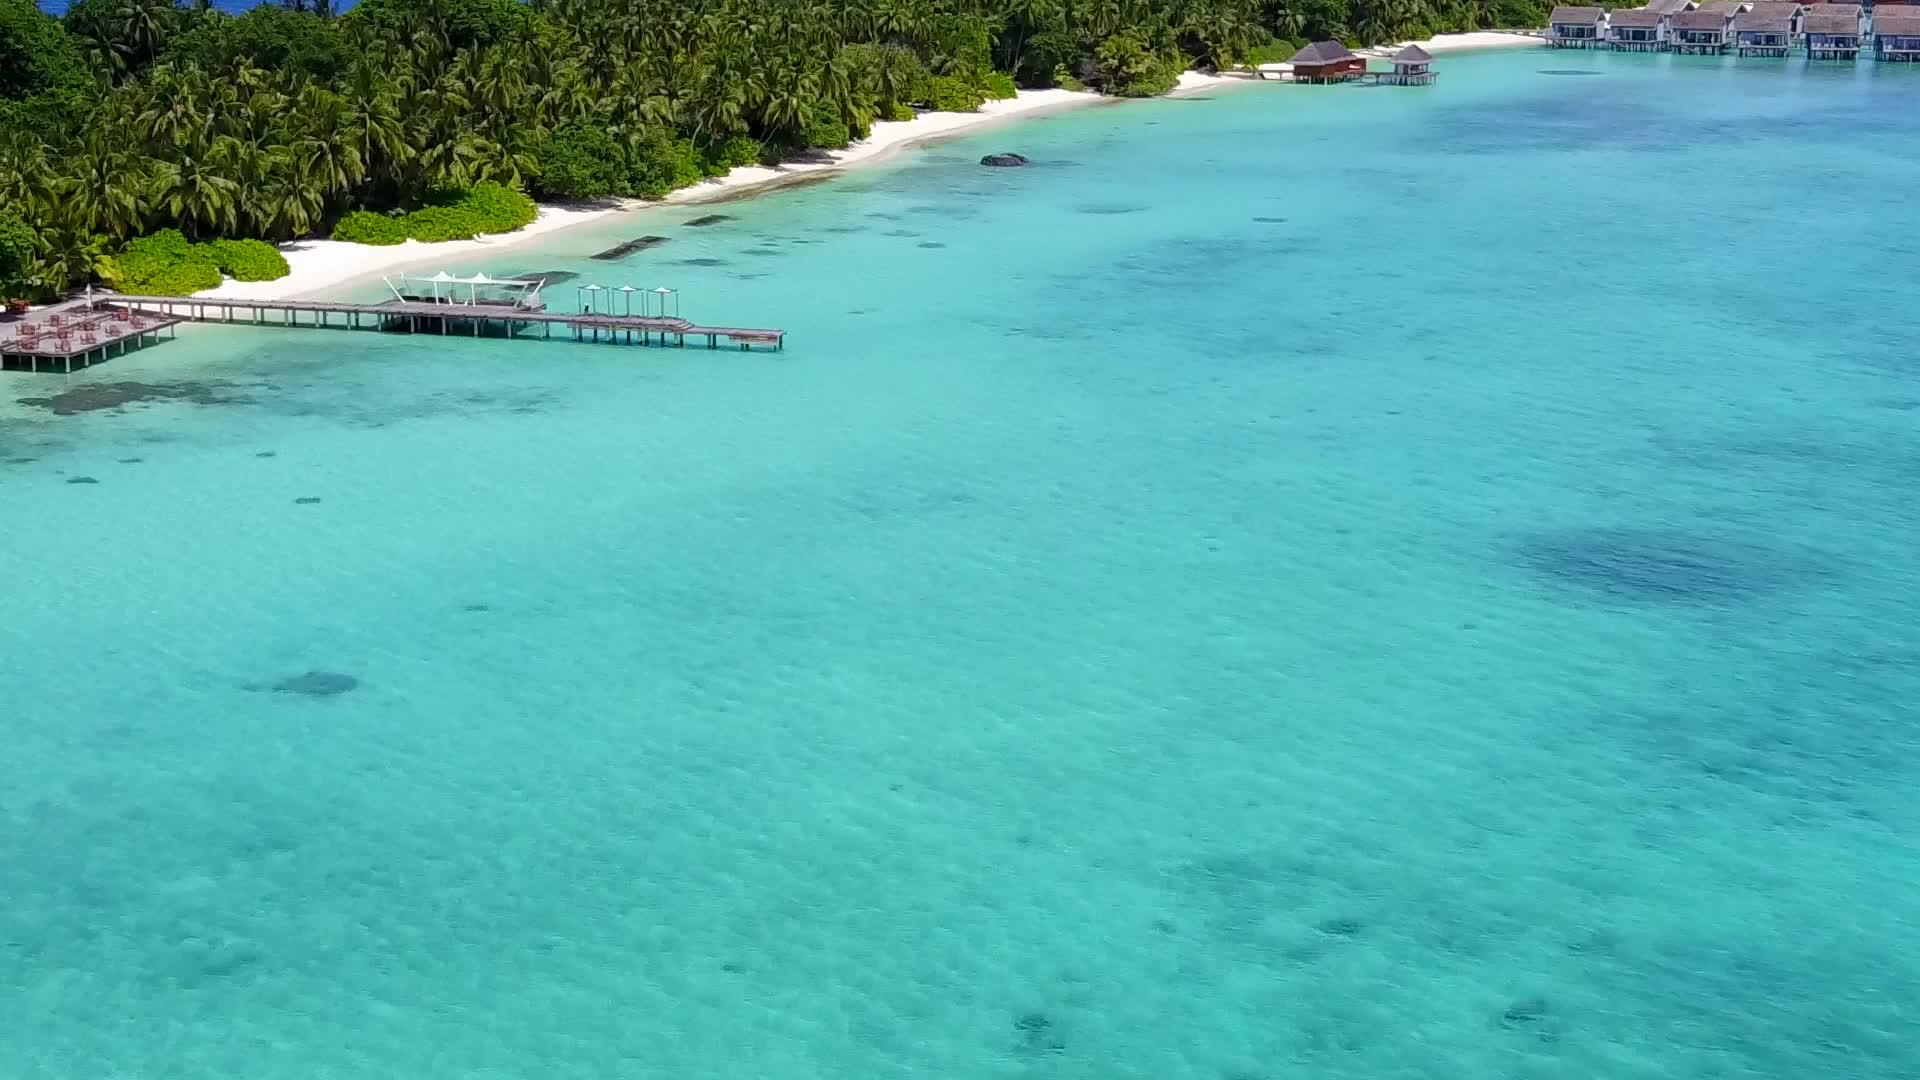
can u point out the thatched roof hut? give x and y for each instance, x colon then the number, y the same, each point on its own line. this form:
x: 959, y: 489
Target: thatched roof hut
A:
x: 1322, y: 52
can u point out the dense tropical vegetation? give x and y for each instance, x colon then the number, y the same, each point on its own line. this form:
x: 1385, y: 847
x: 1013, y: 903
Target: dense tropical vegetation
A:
x: 429, y: 118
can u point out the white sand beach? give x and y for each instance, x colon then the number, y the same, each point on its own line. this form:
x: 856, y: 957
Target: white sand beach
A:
x: 320, y: 265
x: 1478, y: 39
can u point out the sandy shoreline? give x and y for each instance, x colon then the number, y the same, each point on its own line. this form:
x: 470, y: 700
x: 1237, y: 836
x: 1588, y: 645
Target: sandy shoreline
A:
x: 1475, y: 41
x: 320, y: 265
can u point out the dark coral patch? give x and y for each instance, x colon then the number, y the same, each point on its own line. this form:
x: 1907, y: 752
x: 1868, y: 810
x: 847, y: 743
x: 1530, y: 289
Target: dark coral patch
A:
x: 306, y: 500
x: 98, y: 396
x: 931, y: 244
x: 1658, y: 565
x: 316, y: 684
x: 1035, y: 1034
x: 703, y: 262
x: 81, y: 480
x: 708, y: 219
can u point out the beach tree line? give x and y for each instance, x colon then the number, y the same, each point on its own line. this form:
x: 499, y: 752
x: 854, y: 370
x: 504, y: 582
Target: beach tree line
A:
x: 127, y: 117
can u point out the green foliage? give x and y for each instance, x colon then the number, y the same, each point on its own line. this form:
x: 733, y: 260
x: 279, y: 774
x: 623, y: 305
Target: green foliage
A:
x: 486, y: 207
x: 658, y: 164
x: 901, y: 112
x: 268, y: 37
x: 37, y: 54
x: 248, y: 260
x: 945, y: 93
x: 1129, y: 69
x: 46, y: 84
x: 826, y: 132
x: 581, y: 161
x: 16, y: 256
x: 997, y: 86
x: 737, y: 151
x: 1277, y: 51
x: 463, y: 23
x: 1066, y: 80
x: 368, y: 227
x: 163, y: 264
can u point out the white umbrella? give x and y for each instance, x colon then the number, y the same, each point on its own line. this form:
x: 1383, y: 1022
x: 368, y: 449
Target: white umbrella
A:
x: 628, y: 299
x: 589, y: 290
x: 438, y: 279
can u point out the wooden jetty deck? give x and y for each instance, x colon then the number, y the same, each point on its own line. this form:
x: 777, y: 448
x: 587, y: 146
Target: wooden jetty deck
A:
x: 105, y: 320
x: 79, y: 330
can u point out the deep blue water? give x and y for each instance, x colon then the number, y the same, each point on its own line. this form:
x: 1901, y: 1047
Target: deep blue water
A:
x: 1341, y: 583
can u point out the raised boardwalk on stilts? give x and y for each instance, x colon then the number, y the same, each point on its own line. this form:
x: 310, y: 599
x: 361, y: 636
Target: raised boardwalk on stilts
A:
x: 86, y: 330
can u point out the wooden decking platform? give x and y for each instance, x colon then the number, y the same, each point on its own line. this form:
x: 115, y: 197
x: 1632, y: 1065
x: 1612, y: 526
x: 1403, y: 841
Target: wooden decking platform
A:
x: 91, y: 327
x: 77, y: 330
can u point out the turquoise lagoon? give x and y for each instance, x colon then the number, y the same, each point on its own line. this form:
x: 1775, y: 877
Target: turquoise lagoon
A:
x: 1300, y: 583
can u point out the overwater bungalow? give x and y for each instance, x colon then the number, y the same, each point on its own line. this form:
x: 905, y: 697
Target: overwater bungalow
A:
x: 1896, y: 33
x: 1638, y: 30
x: 1757, y: 33
x: 1577, y: 27
x: 1670, y: 7
x: 1412, y: 66
x: 1768, y: 28
x: 1327, y: 62
x: 1833, y: 31
x: 1704, y: 31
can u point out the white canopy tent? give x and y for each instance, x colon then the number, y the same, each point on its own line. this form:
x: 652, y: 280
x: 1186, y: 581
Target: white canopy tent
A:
x: 528, y: 289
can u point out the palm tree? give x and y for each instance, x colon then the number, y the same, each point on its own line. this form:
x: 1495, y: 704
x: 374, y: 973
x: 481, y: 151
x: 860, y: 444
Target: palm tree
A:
x: 197, y: 194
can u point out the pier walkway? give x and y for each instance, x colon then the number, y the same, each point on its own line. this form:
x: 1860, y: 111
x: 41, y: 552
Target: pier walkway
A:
x: 85, y: 330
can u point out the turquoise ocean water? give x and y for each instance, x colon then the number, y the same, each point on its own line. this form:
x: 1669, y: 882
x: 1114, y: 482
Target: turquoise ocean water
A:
x: 1301, y: 583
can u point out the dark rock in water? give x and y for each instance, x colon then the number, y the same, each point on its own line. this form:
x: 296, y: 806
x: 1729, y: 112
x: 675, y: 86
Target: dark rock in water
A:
x: 21, y: 460
x: 266, y: 453
x: 1524, y: 1013
x: 1566, y: 71
x: 316, y: 684
x: 1271, y: 220
x: 85, y: 399
x: 306, y: 500
x: 1036, y: 1034
x: 477, y: 607
x: 708, y: 219
x: 131, y: 460
x: 1339, y: 927
x: 703, y: 262
x: 1109, y: 209
x: 1005, y: 161
x: 547, y: 277
x: 762, y: 252
x: 931, y: 244
x: 81, y: 480
x: 639, y: 243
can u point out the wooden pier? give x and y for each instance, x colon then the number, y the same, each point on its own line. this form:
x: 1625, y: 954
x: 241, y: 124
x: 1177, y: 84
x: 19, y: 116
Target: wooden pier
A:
x: 77, y: 330
x: 87, y: 330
